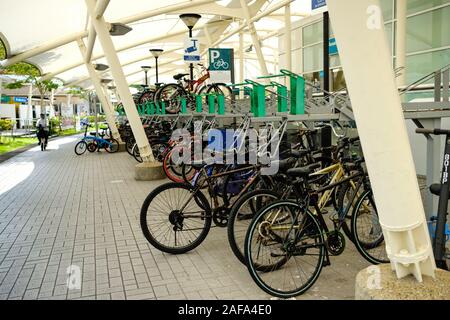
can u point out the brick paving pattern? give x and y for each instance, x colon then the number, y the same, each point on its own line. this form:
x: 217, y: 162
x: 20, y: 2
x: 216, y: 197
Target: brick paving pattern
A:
x: 58, y: 209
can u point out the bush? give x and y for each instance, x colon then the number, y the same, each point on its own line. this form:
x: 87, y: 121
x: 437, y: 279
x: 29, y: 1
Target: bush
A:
x: 6, y: 124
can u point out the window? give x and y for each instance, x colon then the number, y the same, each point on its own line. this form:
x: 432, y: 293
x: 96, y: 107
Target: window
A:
x: 313, y: 34
x: 415, y: 6
x: 429, y: 30
x: 420, y: 65
x: 313, y: 58
x: 386, y: 8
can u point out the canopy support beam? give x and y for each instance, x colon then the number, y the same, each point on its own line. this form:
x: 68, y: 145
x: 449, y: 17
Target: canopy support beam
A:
x: 100, y: 93
x: 385, y: 142
x: 121, y: 83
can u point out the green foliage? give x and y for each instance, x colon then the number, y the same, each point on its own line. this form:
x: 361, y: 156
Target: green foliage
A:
x: 10, y: 144
x: 6, y: 124
x: 78, y: 91
x: 22, y: 68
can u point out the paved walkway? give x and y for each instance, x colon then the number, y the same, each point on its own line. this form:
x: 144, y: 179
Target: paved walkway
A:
x: 58, y: 209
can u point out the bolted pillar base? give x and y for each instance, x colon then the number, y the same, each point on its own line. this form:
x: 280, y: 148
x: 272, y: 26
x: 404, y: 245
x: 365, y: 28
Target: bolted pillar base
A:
x: 122, y: 147
x: 149, y: 171
x: 381, y: 283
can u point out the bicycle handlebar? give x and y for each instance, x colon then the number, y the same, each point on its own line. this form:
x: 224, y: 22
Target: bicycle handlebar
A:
x: 436, y: 132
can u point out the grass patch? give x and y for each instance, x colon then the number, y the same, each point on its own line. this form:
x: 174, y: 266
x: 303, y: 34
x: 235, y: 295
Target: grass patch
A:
x: 8, y: 144
x: 67, y: 132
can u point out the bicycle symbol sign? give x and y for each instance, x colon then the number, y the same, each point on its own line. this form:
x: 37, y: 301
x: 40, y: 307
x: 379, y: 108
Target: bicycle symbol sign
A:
x: 219, y: 60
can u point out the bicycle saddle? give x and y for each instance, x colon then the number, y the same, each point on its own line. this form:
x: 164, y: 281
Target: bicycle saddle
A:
x: 303, y: 171
x: 436, y: 189
x: 180, y: 76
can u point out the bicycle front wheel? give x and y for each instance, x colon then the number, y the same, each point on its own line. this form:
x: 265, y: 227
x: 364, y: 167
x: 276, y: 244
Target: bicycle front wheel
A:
x: 174, y: 219
x: 242, y: 213
x: 288, y: 240
x: 366, y: 229
x: 80, y: 147
x: 113, y: 146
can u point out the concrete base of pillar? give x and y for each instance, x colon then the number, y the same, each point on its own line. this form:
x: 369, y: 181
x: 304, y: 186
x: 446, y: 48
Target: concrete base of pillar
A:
x: 149, y: 171
x: 122, y: 147
x: 381, y: 283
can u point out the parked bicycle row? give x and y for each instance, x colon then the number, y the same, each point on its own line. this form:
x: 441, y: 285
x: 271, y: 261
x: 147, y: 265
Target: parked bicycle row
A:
x: 275, y: 223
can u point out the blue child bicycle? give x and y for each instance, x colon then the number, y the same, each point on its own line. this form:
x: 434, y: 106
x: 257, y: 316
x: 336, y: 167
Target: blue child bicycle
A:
x: 94, y: 143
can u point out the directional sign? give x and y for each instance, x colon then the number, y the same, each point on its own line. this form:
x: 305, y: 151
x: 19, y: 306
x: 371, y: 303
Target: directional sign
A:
x: 316, y: 4
x: 191, y: 50
x: 21, y: 99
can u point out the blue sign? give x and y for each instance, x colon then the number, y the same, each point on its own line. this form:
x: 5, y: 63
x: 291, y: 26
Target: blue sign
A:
x: 191, y: 50
x: 333, y: 49
x: 316, y: 4
x: 21, y: 99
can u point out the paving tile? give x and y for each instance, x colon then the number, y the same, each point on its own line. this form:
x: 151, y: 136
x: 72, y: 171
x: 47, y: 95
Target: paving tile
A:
x: 69, y: 213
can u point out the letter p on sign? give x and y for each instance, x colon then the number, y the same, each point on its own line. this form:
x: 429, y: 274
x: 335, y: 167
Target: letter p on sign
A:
x: 215, y: 54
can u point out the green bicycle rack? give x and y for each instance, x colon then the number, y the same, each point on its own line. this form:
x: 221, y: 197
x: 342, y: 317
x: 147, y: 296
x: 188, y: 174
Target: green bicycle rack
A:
x: 297, y: 83
x: 258, y: 98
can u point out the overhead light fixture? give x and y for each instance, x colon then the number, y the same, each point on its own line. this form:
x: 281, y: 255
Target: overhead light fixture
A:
x: 111, y: 87
x: 156, y: 52
x: 105, y: 81
x: 119, y: 29
x: 190, y: 19
x: 249, y: 49
x: 100, y: 66
x: 146, y: 68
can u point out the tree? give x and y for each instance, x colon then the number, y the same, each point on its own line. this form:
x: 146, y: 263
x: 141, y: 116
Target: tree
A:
x: 43, y: 86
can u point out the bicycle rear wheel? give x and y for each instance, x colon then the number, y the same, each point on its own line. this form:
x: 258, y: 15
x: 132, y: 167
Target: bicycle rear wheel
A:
x: 136, y: 154
x: 366, y: 229
x: 174, y: 220
x: 170, y: 94
x: 289, y: 242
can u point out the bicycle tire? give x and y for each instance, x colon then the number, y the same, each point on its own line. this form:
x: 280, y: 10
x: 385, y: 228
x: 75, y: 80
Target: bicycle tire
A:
x: 129, y: 145
x: 312, y: 227
x: 136, y: 154
x: 114, y: 147
x: 173, y: 105
x: 363, y: 247
x: 236, y: 245
x: 168, y: 167
x: 80, y: 148
x: 207, y: 219
x: 342, y: 195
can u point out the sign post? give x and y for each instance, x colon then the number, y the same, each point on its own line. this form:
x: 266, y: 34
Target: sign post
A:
x: 221, y: 65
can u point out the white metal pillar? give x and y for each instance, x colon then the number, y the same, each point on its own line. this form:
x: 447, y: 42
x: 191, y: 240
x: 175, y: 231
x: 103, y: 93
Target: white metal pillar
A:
x: 288, y: 36
x: 255, y: 38
x: 359, y: 28
x: 400, y: 40
x: 241, y: 61
x: 100, y: 93
x: 121, y: 83
x: 30, y: 106
x: 52, y: 100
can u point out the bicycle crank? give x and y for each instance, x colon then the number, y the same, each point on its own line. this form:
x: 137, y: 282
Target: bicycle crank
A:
x: 220, y: 216
x: 335, y: 243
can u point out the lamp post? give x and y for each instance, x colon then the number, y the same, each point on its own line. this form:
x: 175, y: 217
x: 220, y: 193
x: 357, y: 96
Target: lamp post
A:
x: 190, y: 19
x: 156, y: 53
x: 146, y: 69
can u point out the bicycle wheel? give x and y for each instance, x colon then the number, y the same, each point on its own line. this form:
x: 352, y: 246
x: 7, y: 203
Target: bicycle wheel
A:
x: 293, y: 250
x: 113, y: 147
x: 130, y: 144
x: 242, y: 213
x: 136, y: 154
x: 174, y: 219
x: 366, y: 230
x: 92, y: 146
x: 80, y: 147
x: 220, y: 88
x: 173, y: 170
x: 345, y: 194
x: 170, y: 94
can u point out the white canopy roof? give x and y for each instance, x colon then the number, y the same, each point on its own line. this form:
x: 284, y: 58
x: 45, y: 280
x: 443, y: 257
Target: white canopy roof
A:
x: 50, y: 28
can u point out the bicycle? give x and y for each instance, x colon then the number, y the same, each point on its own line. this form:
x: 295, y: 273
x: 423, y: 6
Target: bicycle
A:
x: 441, y: 231
x: 172, y: 93
x: 42, y: 136
x: 94, y: 143
x: 286, y: 239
